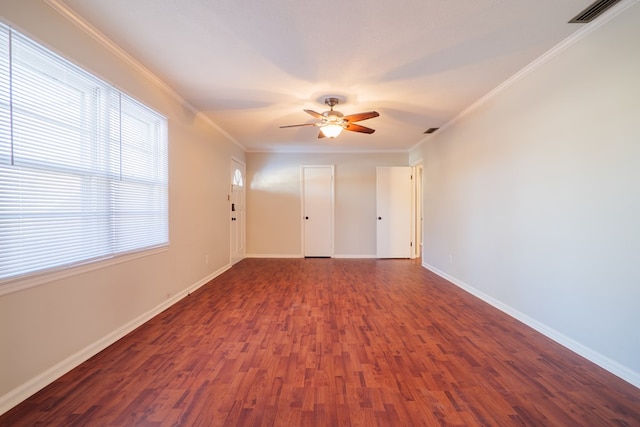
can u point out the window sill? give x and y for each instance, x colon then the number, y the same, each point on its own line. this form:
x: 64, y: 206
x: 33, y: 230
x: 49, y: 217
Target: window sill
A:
x: 21, y: 283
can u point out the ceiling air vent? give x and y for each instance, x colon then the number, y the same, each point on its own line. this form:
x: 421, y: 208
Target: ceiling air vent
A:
x: 431, y: 130
x: 592, y: 12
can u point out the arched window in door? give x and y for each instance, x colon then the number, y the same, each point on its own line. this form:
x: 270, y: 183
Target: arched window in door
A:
x: 237, y: 178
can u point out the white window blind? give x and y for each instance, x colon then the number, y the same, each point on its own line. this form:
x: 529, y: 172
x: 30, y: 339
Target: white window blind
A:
x: 83, y: 167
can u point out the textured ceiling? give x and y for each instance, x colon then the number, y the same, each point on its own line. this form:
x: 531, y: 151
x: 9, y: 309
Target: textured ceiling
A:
x: 253, y: 65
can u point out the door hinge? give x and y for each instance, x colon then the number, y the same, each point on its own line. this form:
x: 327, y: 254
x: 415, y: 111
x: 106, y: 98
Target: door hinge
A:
x: 411, y: 244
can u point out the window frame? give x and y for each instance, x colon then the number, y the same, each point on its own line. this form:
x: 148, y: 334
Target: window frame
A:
x: 14, y: 282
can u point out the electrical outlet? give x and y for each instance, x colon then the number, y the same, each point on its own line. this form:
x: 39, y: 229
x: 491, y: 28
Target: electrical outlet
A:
x: 450, y: 259
x: 206, y: 259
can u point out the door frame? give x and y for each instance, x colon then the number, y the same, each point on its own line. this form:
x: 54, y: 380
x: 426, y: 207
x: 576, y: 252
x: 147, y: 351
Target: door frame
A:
x: 333, y: 204
x: 243, y: 217
x: 416, y: 209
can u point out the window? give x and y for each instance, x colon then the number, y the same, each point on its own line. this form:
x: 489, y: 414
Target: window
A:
x: 237, y: 178
x: 83, y: 167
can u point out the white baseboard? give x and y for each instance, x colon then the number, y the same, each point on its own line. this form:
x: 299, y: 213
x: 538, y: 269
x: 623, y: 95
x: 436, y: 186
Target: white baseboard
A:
x: 274, y: 256
x: 604, y: 362
x: 356, y: 256
x: 37, y: 383
x: 348, y: 256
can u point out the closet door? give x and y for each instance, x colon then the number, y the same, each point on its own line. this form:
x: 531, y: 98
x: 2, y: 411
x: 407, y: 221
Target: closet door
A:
x: 317, y: 211
x: 393, y: 206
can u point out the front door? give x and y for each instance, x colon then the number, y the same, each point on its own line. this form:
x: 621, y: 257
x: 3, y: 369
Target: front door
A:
x: 237, y: 213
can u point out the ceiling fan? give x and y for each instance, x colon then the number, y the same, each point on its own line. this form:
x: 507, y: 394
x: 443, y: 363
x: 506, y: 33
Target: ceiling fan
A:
x: 333, y: 122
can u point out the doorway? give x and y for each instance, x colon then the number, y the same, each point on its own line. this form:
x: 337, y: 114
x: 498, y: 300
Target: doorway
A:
x: 417, y: 211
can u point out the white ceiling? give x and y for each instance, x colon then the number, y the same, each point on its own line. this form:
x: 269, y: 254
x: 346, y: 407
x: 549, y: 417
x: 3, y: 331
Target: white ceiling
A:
x: 253, y: 65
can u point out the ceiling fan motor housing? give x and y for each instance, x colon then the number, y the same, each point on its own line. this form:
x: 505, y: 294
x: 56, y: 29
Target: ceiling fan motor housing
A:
x: 333, y: 116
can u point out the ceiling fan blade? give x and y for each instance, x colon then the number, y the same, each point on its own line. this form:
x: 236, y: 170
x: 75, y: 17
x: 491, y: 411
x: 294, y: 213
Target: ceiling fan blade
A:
x: 295, y: 126
x: 357, y: 128
x: 320, y: 135
x: 361, y: 116
x: 314, y: 114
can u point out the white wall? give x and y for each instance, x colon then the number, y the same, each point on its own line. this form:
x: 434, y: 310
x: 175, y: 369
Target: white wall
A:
x: 274, y: 201
x: 47, y: 329
x: 532, y: 198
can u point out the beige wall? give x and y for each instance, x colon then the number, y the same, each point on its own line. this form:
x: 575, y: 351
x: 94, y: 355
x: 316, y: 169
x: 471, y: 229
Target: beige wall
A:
x: 532, y: 199
x: 274, y: 201
x: 47, y: 329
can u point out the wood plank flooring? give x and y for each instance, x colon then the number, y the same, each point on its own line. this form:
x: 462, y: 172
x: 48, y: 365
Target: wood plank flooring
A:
x: 332, y: 342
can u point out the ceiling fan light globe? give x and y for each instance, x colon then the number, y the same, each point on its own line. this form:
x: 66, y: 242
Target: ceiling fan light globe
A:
x: 331, y: 130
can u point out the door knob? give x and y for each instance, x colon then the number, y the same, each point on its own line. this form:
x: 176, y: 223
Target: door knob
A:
x: 306, y: 217
x: 379, y: 218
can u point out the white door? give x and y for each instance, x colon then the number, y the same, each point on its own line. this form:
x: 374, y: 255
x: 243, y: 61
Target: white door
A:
x: 317, y: 211
x: 393, y: 204
x: 237, y: 211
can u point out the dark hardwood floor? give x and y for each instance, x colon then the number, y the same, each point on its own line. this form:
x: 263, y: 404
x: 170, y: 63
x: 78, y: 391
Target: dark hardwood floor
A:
x: 332, y: 342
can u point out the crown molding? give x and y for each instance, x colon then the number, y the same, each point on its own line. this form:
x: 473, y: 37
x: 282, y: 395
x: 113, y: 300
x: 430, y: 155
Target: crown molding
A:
x: 79, y: 22
x: 94, y: 33
x: 550, y: 54
x: 316, y: 150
